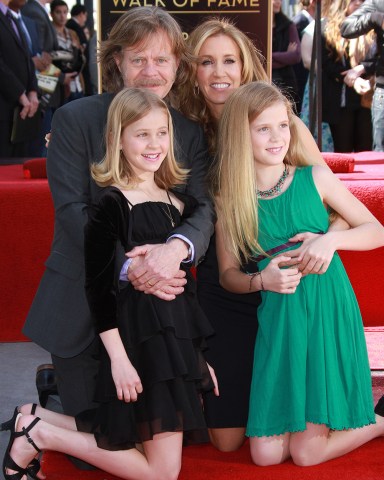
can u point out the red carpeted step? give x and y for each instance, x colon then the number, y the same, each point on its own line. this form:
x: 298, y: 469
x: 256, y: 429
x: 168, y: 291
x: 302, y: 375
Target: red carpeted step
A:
x: 374, y: 337
x: 205, y: 463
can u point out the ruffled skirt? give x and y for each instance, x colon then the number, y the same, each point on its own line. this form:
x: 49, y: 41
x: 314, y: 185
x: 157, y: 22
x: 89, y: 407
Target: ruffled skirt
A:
x: 164, y: 341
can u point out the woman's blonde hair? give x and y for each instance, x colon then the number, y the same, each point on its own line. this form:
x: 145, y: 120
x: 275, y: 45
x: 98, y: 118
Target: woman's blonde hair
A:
x: 357, y: 49
x: 235, y: 175
x: 191, y: 102
x: 129, y: 106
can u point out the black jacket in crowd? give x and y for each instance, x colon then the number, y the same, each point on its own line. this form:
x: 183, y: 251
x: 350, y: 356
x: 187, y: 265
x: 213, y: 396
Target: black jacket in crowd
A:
x: 370, y: 15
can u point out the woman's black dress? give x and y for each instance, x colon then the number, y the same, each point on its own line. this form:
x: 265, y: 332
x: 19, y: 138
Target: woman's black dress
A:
x: 163, y: 339
x: 230, y: 349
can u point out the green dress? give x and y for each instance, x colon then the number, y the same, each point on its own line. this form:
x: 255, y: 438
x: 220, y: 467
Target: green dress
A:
x: 310, y: 360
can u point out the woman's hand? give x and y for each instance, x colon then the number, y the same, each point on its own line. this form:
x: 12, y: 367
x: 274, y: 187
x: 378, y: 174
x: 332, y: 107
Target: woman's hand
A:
x: 281, y: 280
x: 292, y: 47
x: 352, y: 74
x: 362, y: 86
x: 315, y: 254
x: 127, y: 381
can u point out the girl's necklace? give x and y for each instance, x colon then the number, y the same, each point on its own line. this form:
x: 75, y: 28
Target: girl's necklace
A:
x: 277, y: 188
x: 166, y: 212
x: 169, y: 214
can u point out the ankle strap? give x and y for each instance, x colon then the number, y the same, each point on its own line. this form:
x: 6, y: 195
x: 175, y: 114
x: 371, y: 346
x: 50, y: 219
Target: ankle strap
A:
x: 24, y: 431
x: 33, y: 409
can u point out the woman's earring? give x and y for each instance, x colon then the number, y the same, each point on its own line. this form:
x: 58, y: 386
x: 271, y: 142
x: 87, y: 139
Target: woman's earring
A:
x: 196, y: 90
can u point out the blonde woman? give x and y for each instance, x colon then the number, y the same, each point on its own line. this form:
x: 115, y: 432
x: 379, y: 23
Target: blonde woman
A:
x: 226, y: 59
x: 311, y: 395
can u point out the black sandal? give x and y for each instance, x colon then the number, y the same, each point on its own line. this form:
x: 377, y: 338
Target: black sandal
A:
x: 33, y: 467
x: 9, y: 424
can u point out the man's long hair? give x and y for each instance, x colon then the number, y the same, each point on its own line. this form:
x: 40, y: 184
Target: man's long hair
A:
x: 136, y: 27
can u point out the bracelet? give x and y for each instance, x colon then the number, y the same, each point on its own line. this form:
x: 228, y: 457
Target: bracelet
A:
x: 252, y: 276
x: 261, y: 281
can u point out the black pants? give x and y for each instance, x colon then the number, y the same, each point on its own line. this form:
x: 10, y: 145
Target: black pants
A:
x: 353, y: 133
x: 76, y: 379
x: 7, y: 149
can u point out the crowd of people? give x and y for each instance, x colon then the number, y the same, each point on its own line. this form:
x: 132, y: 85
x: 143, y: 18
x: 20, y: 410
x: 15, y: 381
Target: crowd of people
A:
x: 63, y: 50
x: 45, y: 62
x: 192, y: 158
x: 347, y: 69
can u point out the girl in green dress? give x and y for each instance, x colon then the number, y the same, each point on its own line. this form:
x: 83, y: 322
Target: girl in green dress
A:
x: 311, y: 374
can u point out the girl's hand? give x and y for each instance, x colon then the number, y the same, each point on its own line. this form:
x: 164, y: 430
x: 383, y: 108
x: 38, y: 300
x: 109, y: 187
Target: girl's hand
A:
x: 281, y: 280
x: 127, y: 381
x: 315, y: 254
x: 214, y: 380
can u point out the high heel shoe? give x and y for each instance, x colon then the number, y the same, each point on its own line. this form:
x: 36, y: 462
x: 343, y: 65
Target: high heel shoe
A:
x: 9, y: 424
x: 33, y: 467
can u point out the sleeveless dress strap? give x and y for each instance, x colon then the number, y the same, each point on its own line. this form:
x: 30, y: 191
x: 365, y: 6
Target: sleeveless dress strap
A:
x: 169, y: 198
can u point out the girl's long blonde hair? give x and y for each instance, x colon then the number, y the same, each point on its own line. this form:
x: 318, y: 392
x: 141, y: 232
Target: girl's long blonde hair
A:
x: 235, y: 183
x: 191, y: 102
x: 129, y: 106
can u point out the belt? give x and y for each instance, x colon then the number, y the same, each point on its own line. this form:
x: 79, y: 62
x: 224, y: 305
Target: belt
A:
x: 278, y: 249
x: 274, y: 250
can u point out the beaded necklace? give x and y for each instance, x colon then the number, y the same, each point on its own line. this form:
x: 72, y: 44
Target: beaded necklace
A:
x: 277, y: 188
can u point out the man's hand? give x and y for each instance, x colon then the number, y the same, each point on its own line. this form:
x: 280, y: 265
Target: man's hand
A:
x: 34, y: 103
x: 29, y: 104
x: 155, y: 269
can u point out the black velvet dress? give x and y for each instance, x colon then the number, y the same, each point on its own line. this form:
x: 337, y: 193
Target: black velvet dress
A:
x: 164, y: 340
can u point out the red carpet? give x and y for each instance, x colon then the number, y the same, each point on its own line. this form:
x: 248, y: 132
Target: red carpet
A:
x: 205, y: 463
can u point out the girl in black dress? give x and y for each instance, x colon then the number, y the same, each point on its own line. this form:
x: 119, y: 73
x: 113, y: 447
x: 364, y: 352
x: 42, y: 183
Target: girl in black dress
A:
x: 152, y: 369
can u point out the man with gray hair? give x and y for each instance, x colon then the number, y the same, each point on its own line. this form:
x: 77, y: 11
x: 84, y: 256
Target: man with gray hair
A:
x: 145, y: 49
